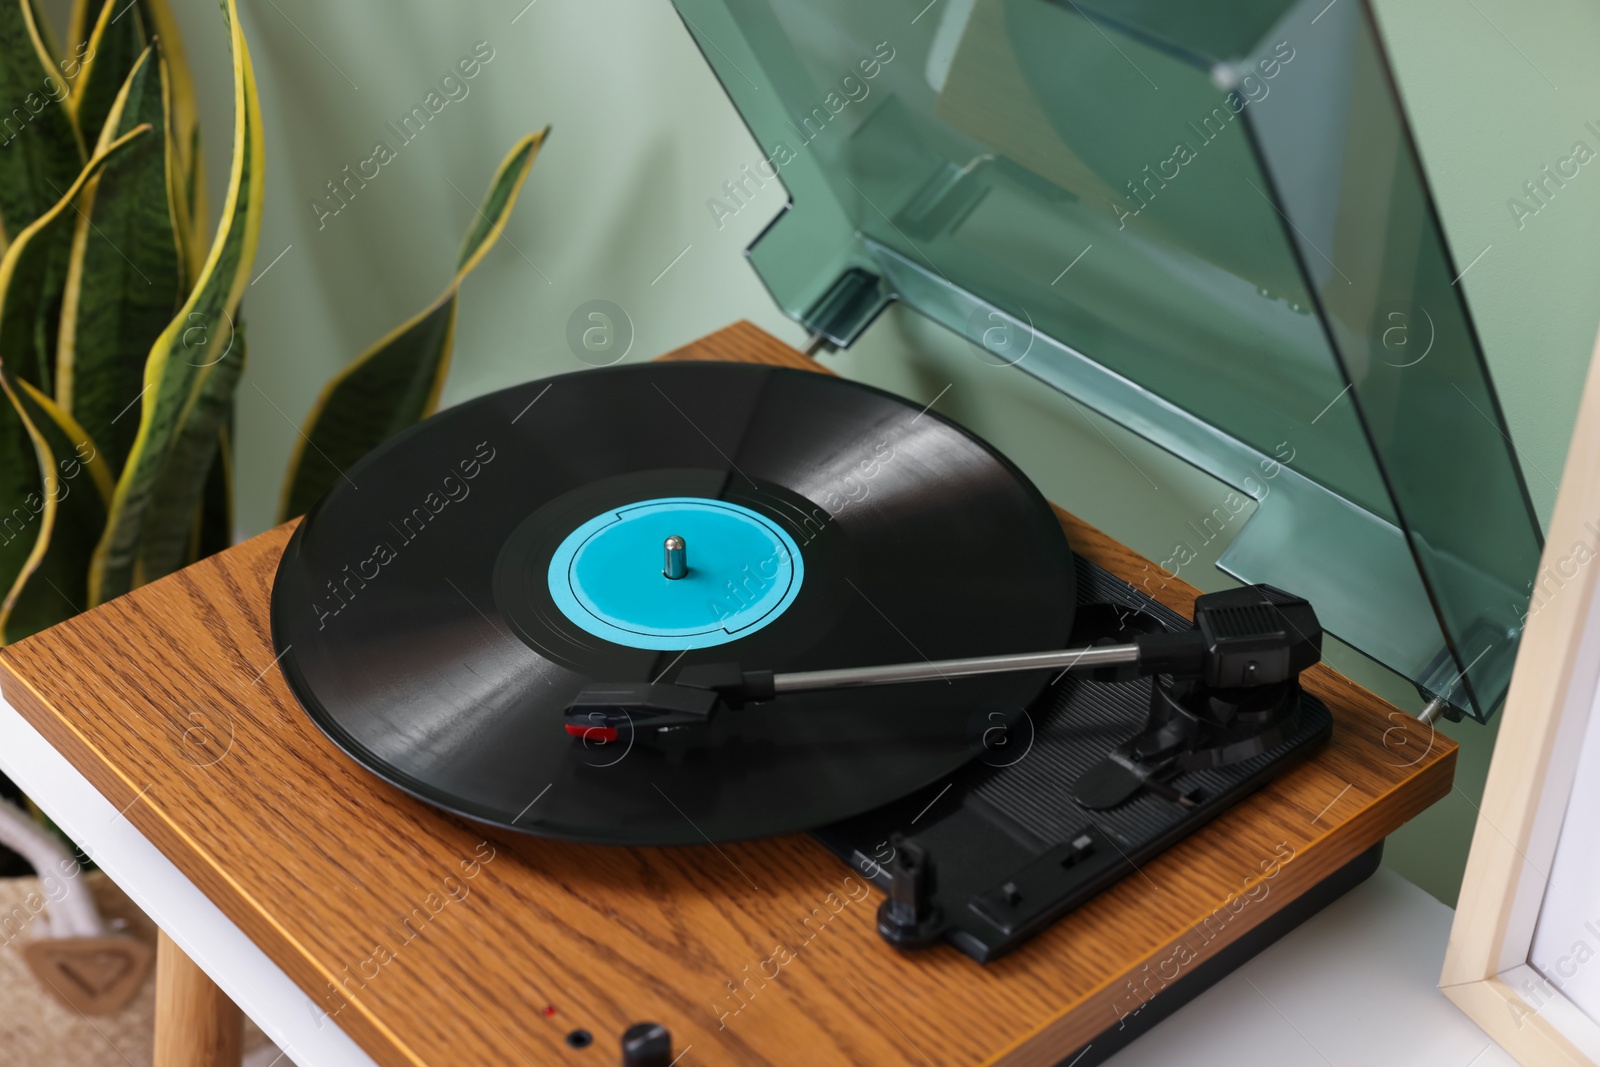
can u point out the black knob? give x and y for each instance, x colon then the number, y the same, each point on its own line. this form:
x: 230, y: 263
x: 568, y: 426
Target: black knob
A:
x: 646, y: 1045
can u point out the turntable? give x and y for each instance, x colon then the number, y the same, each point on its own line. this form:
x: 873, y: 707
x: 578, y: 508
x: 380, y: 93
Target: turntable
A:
x: 720, y: 703
x: 581, y: 626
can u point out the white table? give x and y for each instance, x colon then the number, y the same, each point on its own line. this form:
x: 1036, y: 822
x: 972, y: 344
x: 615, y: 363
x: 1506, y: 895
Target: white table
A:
x: 1354, y: 985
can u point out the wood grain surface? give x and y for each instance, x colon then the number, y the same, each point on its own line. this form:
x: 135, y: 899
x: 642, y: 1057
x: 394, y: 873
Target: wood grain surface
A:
x: 431, y: 941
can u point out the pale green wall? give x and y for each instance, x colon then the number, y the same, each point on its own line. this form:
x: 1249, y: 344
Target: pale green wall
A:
x: 644, y: 136
x: 1496, y: 90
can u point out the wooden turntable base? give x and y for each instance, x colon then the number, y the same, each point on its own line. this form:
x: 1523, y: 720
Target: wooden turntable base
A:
x: 433, y: 942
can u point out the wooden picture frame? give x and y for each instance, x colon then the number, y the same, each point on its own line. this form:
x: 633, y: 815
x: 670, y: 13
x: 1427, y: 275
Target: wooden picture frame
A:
x: 1508, y: 966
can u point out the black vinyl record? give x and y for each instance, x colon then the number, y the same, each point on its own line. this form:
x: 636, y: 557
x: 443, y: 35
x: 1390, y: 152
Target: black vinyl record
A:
x: 421, y: 624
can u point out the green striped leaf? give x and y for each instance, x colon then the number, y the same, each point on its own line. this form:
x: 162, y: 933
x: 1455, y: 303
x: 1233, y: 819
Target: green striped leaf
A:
x: 114, y: 48
x: 184, y: 128
x: 40, y: 151
x: 189, y: 377
x: 21, y: 495
x: 396, y: 383
x: 80, y: 24
x: 33, y: 276
x: 47, y: 37
x: 125, y: 276
x: 73, y: 487
x: 179, y: 497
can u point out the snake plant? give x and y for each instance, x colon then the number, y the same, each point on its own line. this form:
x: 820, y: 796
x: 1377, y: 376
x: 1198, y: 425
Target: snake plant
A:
x: 121, y: 336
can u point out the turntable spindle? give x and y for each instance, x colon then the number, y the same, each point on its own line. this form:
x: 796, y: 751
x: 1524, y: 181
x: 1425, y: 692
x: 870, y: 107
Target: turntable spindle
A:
x: 677, y: 558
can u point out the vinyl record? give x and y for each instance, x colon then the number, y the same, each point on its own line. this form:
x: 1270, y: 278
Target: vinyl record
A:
x: 441, y: 607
